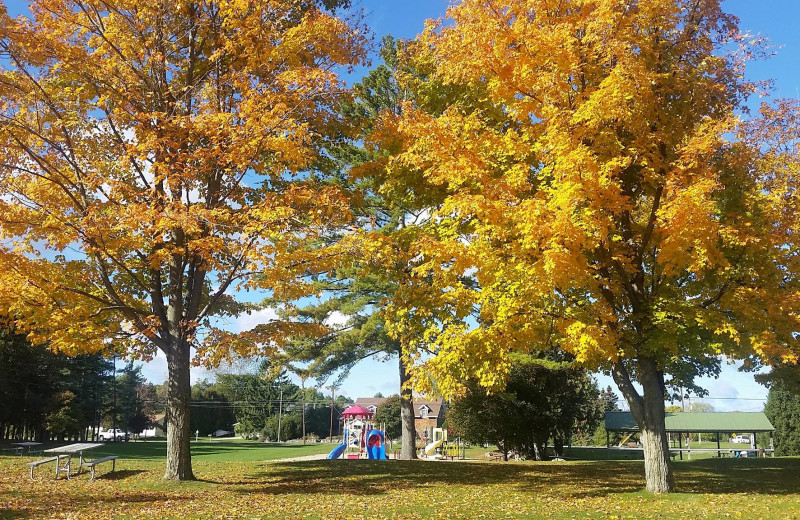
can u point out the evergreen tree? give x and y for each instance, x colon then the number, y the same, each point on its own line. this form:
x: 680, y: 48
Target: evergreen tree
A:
x: 211, y: 410
x: 608, y: 400
x: 354, y: 295
x: 48, y: 394
x: 257, y: 398
x: 128, y: 401
x: 783, y: 411
x: 544, y: 400
x: 389, y: 414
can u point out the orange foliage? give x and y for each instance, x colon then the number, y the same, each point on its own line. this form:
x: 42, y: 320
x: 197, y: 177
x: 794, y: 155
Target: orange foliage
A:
x: 596, y: 199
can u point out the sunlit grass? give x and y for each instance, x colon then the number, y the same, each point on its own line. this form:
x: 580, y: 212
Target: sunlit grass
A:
x: 238, y: 480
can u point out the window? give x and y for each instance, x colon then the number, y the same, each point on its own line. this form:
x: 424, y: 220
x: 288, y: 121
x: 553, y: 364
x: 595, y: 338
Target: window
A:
x: 423, y: 411
x: 372, y: 408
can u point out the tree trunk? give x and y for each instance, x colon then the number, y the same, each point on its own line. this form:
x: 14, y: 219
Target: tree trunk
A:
x: 648, y: 412
x: 538, y: 450
x: 409, y: 430
x: 179, y: 458
x: 558, y: 447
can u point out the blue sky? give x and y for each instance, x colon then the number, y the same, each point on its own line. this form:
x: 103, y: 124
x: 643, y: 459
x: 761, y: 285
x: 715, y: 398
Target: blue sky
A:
x: 776, y: 19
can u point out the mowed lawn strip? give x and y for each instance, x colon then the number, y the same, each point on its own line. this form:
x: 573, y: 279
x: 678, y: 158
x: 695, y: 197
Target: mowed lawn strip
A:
x: 252, y: 485
x: 214, y: 450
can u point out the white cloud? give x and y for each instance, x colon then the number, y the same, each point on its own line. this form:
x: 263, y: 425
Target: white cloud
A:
x: 336, y: 319
x: 732, y: 391
x: 249, y: 320
x: 370, y: 377
x: 156, y: 371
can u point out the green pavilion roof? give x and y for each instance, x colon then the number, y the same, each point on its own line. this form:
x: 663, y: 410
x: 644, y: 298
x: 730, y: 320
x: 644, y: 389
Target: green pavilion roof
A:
x: 697, y: 422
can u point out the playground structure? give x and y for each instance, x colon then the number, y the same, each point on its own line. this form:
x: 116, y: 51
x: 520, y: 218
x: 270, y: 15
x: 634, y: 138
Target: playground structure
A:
x: 362, y: 438
x: 440, y: 448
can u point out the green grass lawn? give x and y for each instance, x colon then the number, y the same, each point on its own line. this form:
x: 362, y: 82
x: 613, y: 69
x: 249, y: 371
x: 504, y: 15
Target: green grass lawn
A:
x: 231, y: 450
x: 240, y: 479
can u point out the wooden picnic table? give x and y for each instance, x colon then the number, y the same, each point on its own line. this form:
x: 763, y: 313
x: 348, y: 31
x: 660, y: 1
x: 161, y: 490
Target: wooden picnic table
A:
x: 70, y: 450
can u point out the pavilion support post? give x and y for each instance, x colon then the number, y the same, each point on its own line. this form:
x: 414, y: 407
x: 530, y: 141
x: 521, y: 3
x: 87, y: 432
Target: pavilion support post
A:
x: 719, y: 453
x: 689, y: 446
x: 680, y: 447
x: 771, y: 444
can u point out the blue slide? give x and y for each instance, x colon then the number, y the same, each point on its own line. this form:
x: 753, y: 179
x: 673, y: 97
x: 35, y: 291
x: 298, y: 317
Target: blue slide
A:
x: 337, y: 451
x: 376, y: 449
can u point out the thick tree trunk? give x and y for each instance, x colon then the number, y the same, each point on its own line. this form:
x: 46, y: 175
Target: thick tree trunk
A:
x: 648, y: 412
x: 179, y: 458
x: 408, y: 450
x: 657, y: 471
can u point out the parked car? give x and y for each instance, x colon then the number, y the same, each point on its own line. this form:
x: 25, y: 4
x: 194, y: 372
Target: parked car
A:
x: 741, y: 439
x: 112, y: 434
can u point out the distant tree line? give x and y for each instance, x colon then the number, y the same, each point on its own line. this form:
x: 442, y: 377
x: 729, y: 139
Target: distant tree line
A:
x: 49, y: 395
x: 258, y: 405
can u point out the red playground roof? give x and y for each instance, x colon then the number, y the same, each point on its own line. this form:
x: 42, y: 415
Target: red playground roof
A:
x: 357, y: 411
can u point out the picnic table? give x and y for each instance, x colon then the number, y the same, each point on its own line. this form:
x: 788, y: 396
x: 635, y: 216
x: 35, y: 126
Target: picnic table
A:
x: 29, y: 445
x: 71, y: 450
x: 16, y: 449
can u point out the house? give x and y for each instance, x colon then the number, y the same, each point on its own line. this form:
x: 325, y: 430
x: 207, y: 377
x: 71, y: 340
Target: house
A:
x: 157, y: 427
x: 427, y: 414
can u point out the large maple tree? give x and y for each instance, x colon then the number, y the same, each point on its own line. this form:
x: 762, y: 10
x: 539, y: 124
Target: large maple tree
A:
x: 604, y: 198
x: 151, y: 162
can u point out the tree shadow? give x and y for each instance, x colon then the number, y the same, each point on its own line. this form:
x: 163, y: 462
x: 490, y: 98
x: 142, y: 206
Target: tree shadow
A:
x: 119, y: 474
x: 366, y: 478
x: 767, y: 476
x: 564, y: 480
x: 12, y: 514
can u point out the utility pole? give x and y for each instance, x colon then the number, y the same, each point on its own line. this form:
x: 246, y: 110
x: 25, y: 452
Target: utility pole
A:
x: 114, y: 386
x: 333, y: 391
x: 303, y: 389
x: 280, y: 412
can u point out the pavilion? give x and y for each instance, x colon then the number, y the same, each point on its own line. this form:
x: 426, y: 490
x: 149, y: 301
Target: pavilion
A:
x: 700, y: 422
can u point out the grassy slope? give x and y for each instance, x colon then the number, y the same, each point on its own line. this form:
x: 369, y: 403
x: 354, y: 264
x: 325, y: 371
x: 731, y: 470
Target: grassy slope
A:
x: 238, y: 482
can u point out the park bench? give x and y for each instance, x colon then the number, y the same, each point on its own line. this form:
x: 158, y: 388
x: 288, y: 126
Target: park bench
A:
x: 16, y: 449
x: 37, y: 463
x: 92, y: 463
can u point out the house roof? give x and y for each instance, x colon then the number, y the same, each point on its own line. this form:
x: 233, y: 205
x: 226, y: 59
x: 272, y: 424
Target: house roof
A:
x: 434, y: 406
x: 370, y: 401
x: 697, y: 422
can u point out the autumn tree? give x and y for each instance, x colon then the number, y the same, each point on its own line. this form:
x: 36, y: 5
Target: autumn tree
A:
x: 604, y: 200
x: 153, y: 159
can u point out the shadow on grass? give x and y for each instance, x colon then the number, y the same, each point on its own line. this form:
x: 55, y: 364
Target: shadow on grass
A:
x: 768, y: 476
x: 119, y: 474
x: 9, y: 514
x: 365, y: 478
x: 570, y: 481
